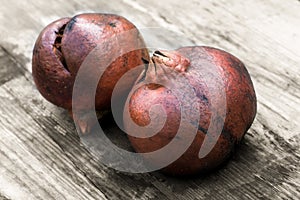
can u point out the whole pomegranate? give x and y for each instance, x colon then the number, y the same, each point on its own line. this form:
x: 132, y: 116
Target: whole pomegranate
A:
x: 193, y: 63
x: 63, y: 45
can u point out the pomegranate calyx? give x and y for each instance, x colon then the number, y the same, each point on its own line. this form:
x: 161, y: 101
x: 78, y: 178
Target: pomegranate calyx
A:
x: 172, y: 59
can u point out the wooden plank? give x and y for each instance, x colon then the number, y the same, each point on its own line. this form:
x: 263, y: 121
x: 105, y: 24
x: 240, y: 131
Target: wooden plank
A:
x: 8, y: 68
x: 251, y: 156
x: 32, y: 164
x: 48, y: 135
x: 41, y: 155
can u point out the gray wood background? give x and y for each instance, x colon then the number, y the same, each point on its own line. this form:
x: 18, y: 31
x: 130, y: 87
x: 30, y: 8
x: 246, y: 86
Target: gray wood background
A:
x: 41, y: 156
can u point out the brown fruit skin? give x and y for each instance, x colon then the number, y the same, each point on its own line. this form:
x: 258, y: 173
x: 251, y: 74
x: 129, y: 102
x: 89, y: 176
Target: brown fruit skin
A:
x: 51, y: 77
x: 240, y: 113
x: 63, y: 45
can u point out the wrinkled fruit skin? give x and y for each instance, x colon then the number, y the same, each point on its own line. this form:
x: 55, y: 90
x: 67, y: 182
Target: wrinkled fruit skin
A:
x: 64, y: 44
x: 240, y: 110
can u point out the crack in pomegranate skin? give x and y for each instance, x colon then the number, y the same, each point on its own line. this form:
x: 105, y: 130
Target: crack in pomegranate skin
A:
x: 58, y: 47
x: 59, y: 35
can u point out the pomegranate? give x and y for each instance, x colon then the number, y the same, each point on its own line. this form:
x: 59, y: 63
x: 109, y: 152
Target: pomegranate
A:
x: 193, y: 63
x: 62, y: 47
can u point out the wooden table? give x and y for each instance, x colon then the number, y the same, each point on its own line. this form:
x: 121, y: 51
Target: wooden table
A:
x: 41, y: 156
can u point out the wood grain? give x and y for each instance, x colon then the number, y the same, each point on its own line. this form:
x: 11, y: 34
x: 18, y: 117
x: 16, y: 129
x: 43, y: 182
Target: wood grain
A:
x: 42, y: 157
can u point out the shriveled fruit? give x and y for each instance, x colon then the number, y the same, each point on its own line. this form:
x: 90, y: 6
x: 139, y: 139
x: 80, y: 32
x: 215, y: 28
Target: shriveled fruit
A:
x: 63, y: 45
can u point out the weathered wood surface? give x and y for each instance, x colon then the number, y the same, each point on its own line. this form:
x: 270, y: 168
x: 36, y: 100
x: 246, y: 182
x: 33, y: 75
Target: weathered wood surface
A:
x: 41, y: 156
